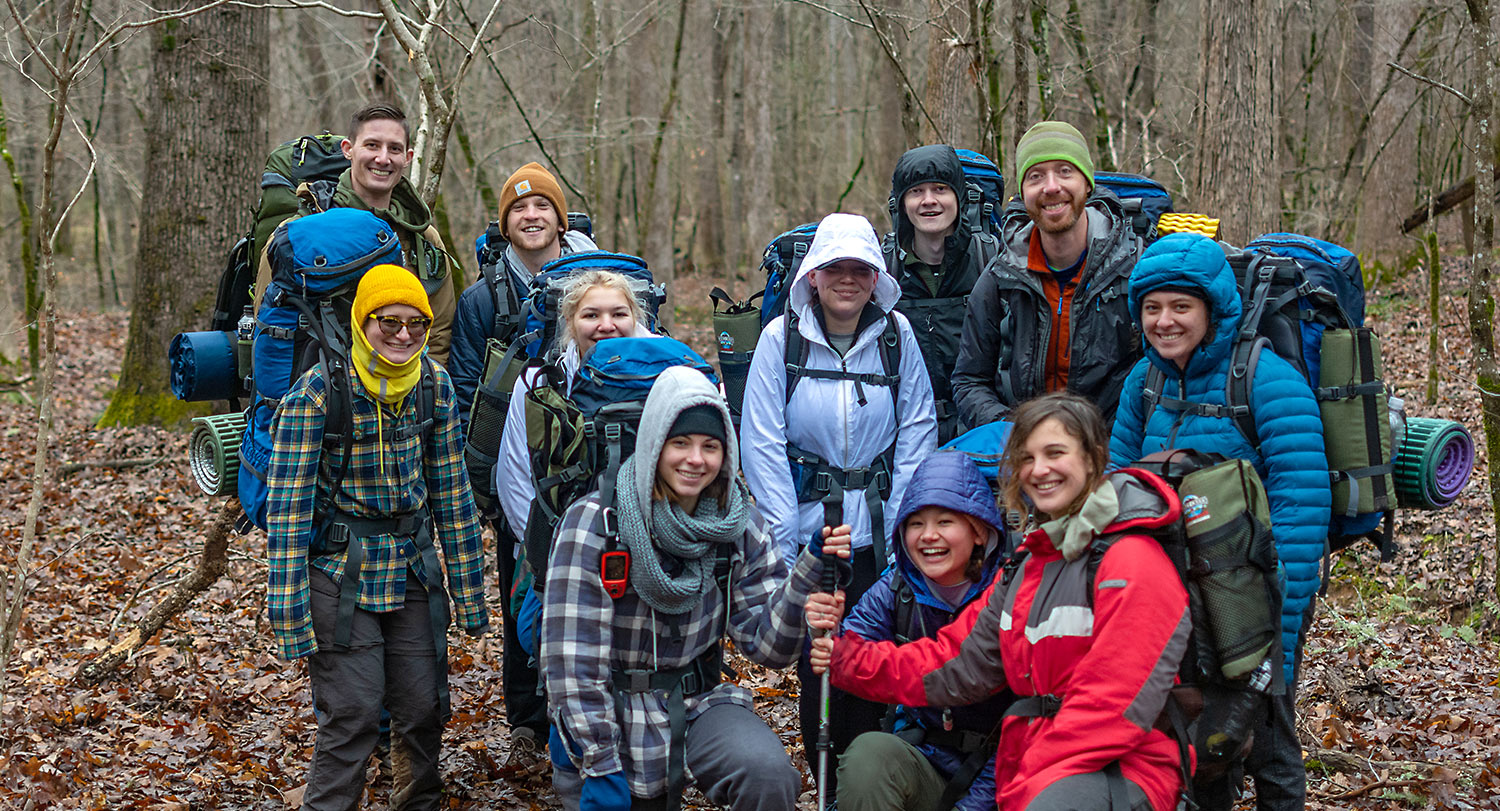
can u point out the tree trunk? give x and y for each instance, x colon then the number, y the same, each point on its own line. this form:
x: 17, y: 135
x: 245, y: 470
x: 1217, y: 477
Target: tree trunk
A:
x: 28, y: 257
x: 948, y: 71
x: 1481, y: 298
x: 1041, y: 45
x: 1237, y: 175
x: 206, y: 136
x: 1020, y: 87
x: 1103, y: 155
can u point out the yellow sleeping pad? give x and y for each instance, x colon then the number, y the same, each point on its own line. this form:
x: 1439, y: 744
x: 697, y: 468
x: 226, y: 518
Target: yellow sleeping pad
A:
x: 1174, y: 222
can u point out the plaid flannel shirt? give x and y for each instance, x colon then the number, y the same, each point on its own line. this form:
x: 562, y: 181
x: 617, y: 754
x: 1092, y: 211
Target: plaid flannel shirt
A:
x: 586, y: 634
x: 395, y: 476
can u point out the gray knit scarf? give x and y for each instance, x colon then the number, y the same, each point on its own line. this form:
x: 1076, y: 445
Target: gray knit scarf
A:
x: 689, y: 538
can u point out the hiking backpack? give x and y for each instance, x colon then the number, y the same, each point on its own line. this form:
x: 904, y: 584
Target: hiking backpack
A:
x: 1222, y: 548
x: 985, y: 445
x: 737, y: 327
x: 1144, y: 199
x: 1296, y: 308
x: 984, y: 199
x: 525, y: 329
x: 316, y: 264
x: 576, y: 438
x: 305, y: 159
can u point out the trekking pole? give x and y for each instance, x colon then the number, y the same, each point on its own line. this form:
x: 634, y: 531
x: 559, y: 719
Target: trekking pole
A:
x: 833, y: 516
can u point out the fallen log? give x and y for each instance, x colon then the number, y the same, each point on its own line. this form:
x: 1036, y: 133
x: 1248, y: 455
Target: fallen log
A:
x: 109, y: 464
x: 211, y: 566
x: 1447, y: 200
x: 1348, y: 763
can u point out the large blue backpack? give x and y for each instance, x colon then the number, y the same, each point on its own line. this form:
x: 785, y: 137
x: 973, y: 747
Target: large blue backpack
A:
x: 303, y: 319
x: 1303, y: 298
x: 1144, y: 199
x: 576, y: 437
x: 984, y: 200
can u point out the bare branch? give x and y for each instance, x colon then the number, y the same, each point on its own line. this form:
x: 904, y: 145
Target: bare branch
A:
x: 832, y: 13
x: 107, y: 37
x: 88, y: 174
x: 1435, y: 83
x: 890, y: 53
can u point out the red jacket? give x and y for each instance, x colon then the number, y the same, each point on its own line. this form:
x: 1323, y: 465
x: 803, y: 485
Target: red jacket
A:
x: 1111, y: 659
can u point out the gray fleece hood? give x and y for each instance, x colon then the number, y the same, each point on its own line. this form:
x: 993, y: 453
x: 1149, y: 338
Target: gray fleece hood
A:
x: 676, y: 389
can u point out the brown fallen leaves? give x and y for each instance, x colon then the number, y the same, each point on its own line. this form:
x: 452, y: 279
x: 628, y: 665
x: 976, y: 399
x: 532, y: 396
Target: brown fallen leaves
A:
x: 1400, y: 698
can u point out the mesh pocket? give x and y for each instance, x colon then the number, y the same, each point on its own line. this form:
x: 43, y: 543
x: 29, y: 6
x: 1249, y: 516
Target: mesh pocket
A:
x: 1237, y: 599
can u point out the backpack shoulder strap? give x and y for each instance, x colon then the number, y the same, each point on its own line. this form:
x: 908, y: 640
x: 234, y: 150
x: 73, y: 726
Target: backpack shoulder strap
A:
x: 794, y: 353
x: 1151, y: 392
x: 1241, y: 377
x: 904, y: 602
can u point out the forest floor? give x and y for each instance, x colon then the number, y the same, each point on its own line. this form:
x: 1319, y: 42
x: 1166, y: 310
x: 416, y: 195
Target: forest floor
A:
x: 1400, y: 704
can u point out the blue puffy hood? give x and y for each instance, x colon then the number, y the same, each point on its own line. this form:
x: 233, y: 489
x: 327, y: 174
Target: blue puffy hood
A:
x: 1197, y: 263
x: 951, y: 480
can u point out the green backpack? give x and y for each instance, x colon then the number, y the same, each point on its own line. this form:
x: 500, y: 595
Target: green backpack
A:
x: 300, y: 160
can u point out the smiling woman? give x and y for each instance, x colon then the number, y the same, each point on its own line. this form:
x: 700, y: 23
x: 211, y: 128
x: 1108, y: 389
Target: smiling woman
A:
x: 641, y: 587
x: 1086, y: 634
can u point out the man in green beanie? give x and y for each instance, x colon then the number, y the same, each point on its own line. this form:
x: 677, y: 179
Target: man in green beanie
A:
x: 1050, y: 312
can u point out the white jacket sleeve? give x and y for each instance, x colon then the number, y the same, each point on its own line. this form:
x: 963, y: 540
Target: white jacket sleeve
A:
x: 916, y: 434
x: 763, y: 441
x: 513, y: 469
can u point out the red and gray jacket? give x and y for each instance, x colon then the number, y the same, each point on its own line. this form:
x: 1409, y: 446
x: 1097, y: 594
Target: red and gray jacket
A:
x: 1108, y: 649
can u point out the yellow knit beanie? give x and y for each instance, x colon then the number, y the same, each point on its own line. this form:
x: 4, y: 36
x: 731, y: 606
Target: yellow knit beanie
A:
x: 387, y: 284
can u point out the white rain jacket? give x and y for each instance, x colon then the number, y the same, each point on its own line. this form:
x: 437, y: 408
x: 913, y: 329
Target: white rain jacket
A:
x: 824, y: 416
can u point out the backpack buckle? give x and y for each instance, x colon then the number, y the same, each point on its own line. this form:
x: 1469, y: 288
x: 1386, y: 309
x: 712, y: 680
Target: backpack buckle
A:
x: 613, y: 431
x: 823, y: 481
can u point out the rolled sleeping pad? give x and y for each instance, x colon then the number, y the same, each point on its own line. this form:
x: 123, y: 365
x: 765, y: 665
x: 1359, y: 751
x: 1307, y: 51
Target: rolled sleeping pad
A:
x: 1434, y: 463
x: 203, y: 366
x: 214, y: 453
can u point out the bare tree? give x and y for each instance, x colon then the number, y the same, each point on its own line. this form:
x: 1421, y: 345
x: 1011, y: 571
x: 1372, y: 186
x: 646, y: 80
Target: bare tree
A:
x: 1237, y: 172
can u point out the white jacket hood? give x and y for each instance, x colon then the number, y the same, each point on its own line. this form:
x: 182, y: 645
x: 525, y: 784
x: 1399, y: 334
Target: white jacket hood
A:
x: 843, y: 236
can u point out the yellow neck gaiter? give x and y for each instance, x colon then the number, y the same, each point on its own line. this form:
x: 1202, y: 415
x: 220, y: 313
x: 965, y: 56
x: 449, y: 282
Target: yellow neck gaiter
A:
x: 387, y: 382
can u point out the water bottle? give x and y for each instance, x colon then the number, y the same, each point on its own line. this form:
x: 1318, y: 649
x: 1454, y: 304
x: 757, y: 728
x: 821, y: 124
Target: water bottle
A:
x: 244, y: 340
x: 1227, y: 741
x: 1397, y: 408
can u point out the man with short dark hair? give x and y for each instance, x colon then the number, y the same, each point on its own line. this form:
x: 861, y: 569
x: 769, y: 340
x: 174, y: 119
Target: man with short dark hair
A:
x: 534, y: 225
x: 1050, y: 313
x: 937, y: 256
x: 378, y: 147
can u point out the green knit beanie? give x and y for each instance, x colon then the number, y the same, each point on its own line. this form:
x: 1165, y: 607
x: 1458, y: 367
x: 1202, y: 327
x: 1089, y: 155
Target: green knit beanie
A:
x: 1053, y: 141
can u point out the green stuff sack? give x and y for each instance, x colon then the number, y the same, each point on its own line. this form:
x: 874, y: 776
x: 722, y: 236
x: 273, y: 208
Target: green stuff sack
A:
x: 1232, y: 562
x: 487, y: 421
x: 1356, y: 423
x: 1231, y: 565
x: 737, y: 329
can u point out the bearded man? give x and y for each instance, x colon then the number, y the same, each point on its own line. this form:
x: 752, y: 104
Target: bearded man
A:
x: 1050, y: 311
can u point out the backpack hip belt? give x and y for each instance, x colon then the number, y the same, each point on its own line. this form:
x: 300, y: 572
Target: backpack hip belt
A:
x: 819, y: 478
x: 692, y: 679
x: 345, y: 532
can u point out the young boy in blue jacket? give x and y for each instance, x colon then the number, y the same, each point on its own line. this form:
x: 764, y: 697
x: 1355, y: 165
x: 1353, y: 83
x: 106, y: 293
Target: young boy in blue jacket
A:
x: 950, y: 543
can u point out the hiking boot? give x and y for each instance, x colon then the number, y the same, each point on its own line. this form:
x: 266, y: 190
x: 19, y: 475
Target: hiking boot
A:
x: 528, y: 756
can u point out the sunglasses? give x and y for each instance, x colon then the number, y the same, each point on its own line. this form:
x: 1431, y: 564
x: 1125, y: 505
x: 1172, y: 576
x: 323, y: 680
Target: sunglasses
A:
x: 415, y: 327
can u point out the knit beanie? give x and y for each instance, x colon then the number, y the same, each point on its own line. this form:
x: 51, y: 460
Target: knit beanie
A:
x: 699, y: 419
x: 528, y: 180
x: 387, y: 284
x: 1053, y: 141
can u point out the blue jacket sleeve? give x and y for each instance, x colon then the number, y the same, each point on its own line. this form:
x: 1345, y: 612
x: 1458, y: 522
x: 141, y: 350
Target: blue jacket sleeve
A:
x: 1129, y: 433
x: 874, y: 616
x: 471, y: 328
x: 1295, y: 472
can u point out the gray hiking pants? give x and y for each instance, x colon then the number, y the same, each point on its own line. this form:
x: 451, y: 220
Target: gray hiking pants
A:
x: 735, y: 759
x: 390, y: 659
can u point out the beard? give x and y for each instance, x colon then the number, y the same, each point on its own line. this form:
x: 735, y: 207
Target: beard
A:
x: 1059, y: 225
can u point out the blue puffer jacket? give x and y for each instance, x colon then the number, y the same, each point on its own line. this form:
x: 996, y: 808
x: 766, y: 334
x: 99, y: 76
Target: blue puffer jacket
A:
x: 947, y: 479
x: 1290, y: 459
